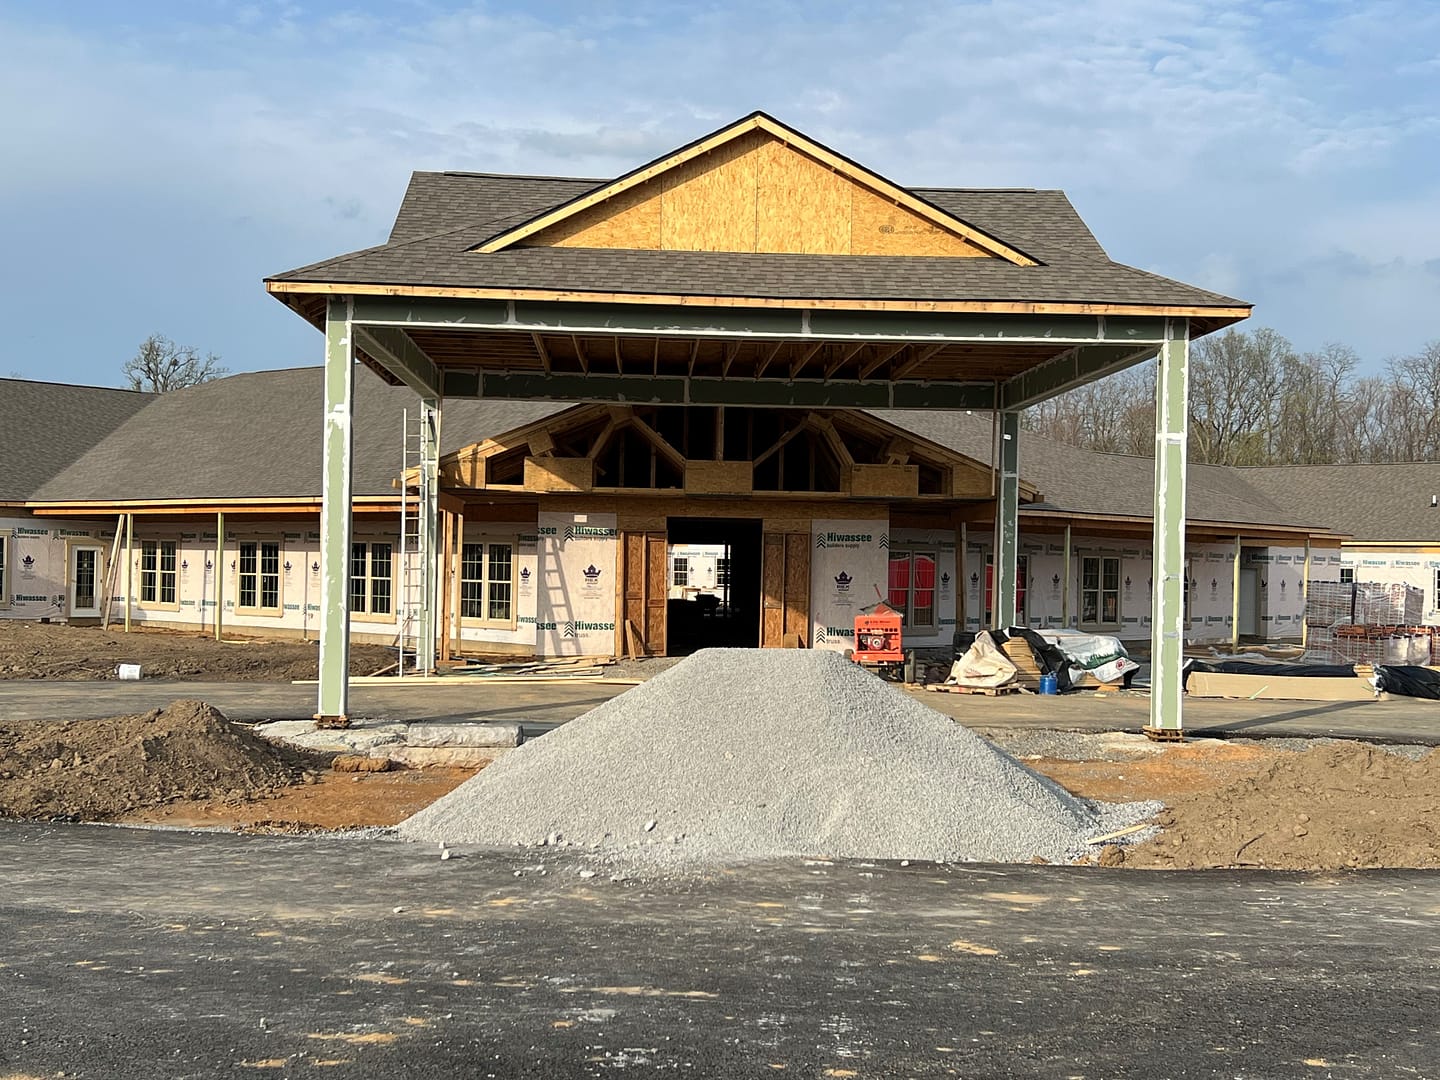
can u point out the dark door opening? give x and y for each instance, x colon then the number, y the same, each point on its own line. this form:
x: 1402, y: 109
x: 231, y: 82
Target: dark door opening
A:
x: 713, y: 584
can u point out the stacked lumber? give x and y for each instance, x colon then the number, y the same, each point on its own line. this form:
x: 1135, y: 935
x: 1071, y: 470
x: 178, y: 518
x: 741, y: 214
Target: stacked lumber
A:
x: 1027, y: 671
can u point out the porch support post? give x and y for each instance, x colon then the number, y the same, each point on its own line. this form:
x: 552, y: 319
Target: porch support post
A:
x: 1065, y: 585
x: 1167, y: 611
x: 129, y: 566
x: 333, y: 705
x: 1007, y: 520
x: 1305, y: 598
x: 219, y: 569
x: 426, y: 629
x: 1235, y: 600
x: 962, y: 602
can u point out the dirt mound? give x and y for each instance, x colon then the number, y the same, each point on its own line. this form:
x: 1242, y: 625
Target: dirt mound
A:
x: 96, y: 770
x: 1335, y: 805
x: 31, y: 650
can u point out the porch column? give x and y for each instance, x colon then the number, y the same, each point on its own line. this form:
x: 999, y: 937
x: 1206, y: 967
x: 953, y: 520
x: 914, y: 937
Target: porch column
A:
x: 1305, y: 598
x: 429, y: 511
x: 333, y: 707
x: 1167, y: 610
x: 1235, y: 600
x: 1065, y: 586
x: 1007, y: 521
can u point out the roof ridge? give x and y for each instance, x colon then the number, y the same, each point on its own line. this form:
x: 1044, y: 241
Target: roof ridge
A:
x: 78, y: 386
x: 469, y: 174
x: 1331, y: 464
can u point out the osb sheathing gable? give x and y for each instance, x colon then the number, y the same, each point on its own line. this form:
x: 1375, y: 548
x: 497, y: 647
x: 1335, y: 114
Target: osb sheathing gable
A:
x: 756, y: 193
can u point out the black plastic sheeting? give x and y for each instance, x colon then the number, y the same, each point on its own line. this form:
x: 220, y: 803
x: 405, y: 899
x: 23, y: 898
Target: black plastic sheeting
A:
x: 1408, y: 681
x: 1260, y: 667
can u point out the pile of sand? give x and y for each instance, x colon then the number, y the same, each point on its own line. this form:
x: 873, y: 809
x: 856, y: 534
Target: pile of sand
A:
x: 739, y: 754
x: 1335, y: 805
x: 95, y: 770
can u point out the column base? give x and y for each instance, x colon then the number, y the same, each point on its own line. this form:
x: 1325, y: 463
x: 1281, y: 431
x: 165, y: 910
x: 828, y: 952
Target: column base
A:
x: 1164, y: 734
x: 323, y: 721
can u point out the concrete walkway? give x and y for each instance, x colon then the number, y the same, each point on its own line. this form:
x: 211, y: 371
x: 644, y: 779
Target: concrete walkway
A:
x: 540, y: 706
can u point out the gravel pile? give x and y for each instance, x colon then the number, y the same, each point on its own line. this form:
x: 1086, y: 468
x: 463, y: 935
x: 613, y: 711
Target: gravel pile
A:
x: 739, y: 754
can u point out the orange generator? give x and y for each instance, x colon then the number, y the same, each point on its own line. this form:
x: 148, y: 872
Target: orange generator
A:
x: 877, y: 636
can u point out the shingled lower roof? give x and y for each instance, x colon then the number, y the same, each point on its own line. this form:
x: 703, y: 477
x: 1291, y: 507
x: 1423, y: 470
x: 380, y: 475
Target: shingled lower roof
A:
x: 48, y: 425
x: 1378, y: 503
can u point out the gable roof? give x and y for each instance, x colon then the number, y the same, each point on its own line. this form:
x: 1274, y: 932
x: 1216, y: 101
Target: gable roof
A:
x: 457, y: 234
x: 48, y: 425
x: 1379, y: 502
x: 750, y: 136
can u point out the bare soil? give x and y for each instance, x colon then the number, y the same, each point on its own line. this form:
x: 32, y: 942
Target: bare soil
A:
x: 1332, y: 805
x: 100, y: 770
x: 31, y: 650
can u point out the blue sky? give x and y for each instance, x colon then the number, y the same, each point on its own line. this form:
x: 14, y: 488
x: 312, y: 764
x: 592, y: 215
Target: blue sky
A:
x: 161, y: 158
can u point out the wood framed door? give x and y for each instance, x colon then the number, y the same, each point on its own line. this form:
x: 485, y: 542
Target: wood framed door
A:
x: 87, y: 565
x: 643, y: 591
x: 785, y: 589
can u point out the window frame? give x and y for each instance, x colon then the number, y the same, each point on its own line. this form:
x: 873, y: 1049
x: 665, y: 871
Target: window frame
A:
x: 907, y: 613
x: 368, y: 614
x: 722, y: 571
x: 1099, y: 623
x: 485, y: 542
x: 158, y: 543
x: 1347, y: 570
x: 259, y: 607
x: 679, y: 564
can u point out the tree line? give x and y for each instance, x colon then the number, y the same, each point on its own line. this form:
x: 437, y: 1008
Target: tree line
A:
x: 1257, y: 400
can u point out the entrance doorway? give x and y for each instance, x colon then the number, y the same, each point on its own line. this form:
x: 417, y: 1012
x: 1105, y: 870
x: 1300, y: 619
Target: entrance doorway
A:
x: 85, y: 582
x: 712, y: 584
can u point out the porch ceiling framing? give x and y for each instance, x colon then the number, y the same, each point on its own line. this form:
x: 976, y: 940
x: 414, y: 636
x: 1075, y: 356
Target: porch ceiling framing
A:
x: 792, y: 358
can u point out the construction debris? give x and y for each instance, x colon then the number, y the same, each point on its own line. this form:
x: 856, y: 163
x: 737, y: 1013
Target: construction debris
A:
x: 737, y: 755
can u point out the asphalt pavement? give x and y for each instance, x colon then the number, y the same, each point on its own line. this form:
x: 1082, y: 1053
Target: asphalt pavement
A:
x: 131, y: 954
x: 540, y: 706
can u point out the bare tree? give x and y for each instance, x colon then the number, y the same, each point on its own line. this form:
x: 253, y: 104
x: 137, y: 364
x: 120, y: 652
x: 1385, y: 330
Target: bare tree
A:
x: 160, y: 365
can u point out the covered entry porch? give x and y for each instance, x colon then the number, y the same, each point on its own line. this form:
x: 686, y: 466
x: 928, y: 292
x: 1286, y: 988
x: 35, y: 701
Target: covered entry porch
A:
x: 792, y: 357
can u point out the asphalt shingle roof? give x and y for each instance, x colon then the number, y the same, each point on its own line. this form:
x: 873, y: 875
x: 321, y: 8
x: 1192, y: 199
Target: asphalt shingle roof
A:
x: 48, y: 425
x: 445, y: 215
x: 257, y: 436
x: 1382, y: 502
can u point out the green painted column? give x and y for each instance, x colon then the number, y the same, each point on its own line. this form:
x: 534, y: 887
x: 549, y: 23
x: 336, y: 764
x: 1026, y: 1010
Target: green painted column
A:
x: 1235, y: 600
x: 335, y: 523
x: 429, y: 511
x: 1007, y: 520
x: 1167, y: 601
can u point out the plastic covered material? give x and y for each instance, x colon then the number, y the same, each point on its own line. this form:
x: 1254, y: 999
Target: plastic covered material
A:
x: 984, y: 665
x: 1408, y: 681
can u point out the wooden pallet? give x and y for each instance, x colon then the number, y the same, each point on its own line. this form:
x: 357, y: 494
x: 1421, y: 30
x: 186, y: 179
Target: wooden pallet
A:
x: 1155, y: 734
x: 987, y: 691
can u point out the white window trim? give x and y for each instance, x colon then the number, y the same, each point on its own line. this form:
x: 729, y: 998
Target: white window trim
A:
x: 1347, y: 570
x: 367, y: 615
x: 260, y: 542
x: 679, y: 564
x: 1100, y: 624
x: 138, y: 582
x: 485, y: 540
x: 7, y: 560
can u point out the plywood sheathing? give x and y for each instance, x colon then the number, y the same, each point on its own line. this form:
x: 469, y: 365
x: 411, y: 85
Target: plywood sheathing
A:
x: 756, y: 194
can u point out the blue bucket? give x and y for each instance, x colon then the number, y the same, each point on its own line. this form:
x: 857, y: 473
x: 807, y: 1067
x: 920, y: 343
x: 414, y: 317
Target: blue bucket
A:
x: 1049, y: 684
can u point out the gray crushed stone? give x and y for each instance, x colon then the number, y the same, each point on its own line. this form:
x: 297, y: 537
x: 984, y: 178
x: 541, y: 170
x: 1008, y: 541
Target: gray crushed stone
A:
x: 737, y: 755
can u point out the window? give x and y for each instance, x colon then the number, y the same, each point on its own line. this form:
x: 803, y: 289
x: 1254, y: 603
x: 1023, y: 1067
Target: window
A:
x: 1022, y: 579
x: 1099, y: 591
x: 912, y: 587
x: 157, y: 572
x: 5, y: 569
x: 1434, y: 603
x: 680, y: 571
x: 371, y: 578
x: 1347, y: 575
x: 259, y: 584
x: 722, y: 571
x: 487, y: 582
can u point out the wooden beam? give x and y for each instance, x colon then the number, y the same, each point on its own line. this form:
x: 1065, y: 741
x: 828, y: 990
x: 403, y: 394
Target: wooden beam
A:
x: 580, y: 354
x: 694, y: 354
x: 832, y: 436
x: 732, y: 350
x: 767, y: 358
x: 880, y: 359
x: 668, y: 452
x: 602, y: 440
x: 897, y: 451
x: 544, y: 352
x: 655, y: 359
x: 619, y: 357
x: 804, y: 358
x: 846, y: 355
x: 720, y: 433
x: 982, y: 307
x: 921, y: 355
x: 779, y: 443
